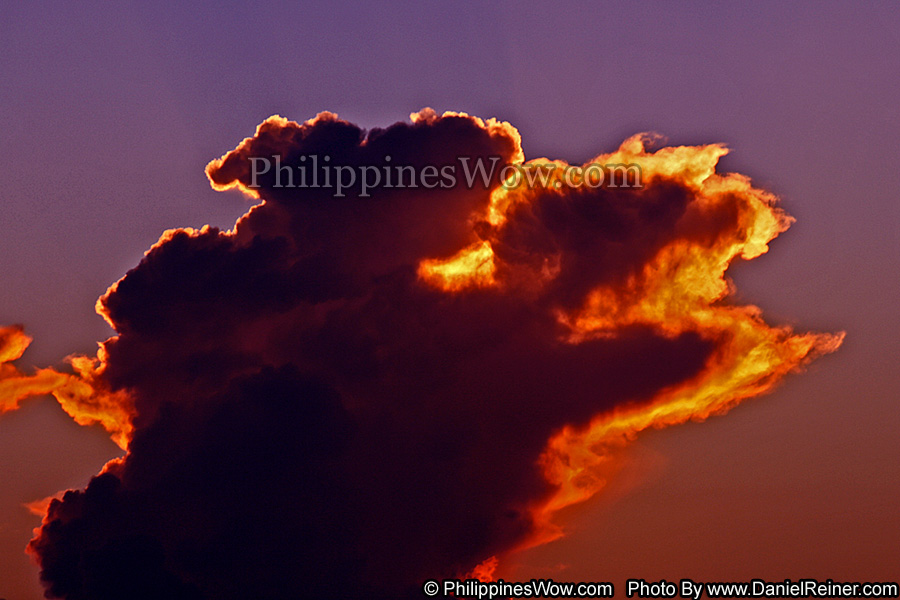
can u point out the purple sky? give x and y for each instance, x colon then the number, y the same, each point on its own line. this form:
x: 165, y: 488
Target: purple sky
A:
x: 108, y: 116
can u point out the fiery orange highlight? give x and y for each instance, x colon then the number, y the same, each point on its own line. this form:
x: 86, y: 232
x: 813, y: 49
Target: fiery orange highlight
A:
x: 484, y: 571
x: 684, y: 288
x: 680, y: 291
x: 83, y: 394
x: 471, y: 268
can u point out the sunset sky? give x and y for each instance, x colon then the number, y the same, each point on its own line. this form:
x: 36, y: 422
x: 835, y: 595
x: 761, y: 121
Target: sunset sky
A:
x: 110, y: 114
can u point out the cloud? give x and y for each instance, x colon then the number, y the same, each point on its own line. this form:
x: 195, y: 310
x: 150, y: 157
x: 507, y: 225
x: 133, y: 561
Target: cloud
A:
x: 83, y: 394
x: 345, y: 396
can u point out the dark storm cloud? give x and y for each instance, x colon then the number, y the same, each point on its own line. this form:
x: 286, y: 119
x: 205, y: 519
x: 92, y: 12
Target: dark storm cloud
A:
x: 312, y: 420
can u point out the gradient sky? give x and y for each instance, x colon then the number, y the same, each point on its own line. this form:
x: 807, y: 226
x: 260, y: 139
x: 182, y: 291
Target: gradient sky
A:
x: 109, y: 114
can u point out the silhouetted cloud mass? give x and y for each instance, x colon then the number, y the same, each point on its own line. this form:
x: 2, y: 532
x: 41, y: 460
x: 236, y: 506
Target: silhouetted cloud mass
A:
x: 316, y: 415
